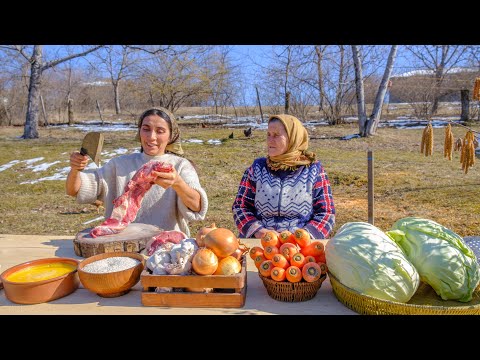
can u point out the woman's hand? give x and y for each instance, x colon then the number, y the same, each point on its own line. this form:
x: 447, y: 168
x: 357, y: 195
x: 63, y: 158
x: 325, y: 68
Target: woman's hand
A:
x: 167, y: 179
x: 78, y: 162
x: 260, y: 233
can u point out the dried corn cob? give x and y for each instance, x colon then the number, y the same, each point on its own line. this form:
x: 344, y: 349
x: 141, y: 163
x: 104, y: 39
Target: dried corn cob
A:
x: 448, y: 143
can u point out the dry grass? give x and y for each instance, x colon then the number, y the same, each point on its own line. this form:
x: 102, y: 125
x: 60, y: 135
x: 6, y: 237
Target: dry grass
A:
x: 406, y: 182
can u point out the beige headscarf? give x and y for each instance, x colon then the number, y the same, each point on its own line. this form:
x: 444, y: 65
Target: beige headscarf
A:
x: 296, y: 154
x: 174, y: 144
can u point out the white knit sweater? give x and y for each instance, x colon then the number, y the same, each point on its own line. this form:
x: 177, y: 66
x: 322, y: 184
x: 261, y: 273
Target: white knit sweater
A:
x: 159, y: 207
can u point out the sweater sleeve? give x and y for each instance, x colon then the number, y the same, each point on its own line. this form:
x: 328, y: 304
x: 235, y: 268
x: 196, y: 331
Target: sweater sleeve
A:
x: 95, y: 183
x: 321, y: 225
x: 243, y: 208
x: 190, y: 176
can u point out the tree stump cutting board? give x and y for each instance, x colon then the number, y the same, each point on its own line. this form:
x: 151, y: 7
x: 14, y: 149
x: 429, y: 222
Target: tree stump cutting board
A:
x: 133, y: 238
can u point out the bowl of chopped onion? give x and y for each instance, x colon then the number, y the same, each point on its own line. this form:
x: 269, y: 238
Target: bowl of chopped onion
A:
x: 111, y: 274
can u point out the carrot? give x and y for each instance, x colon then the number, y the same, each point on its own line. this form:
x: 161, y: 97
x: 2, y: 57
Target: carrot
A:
x: 270, y: 251
x: 280, y: 261
x: 298, y: 260
x: 288, y: 250
x: 293, y: 274
x: 321, y: 258
x: 266, y: 268
x: 270, y: 238
x: 315, y: 248
x: 258, y: 260
x: 255, y: 251
x: 286, y: 237
x: 302, y: 237
x: 278, y: 273
x: 311, y: 272
x: 323, y: 267
x: 310, y: 258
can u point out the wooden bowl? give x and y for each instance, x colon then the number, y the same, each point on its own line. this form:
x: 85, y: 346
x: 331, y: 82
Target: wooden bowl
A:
x: 111, y: 284
x: 36, y: 292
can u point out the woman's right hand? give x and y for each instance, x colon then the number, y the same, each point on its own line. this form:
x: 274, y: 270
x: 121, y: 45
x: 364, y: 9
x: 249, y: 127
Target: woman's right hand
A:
x: 78, y: 161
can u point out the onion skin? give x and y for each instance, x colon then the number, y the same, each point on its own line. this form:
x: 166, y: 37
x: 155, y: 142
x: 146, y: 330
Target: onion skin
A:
x: 222, y: 242
x: 202, y: 232
x: 204, y: 262
x: 228, y: 266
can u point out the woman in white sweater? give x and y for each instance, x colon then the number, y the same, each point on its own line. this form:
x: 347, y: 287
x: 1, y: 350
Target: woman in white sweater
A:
x: 178, y: 198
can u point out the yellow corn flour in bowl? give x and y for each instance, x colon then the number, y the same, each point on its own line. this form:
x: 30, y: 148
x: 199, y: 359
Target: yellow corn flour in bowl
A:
x: 41, y: 272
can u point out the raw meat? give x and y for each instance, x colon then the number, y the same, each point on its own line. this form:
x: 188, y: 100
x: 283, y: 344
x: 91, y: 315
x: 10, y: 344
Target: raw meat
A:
x: 172, y: 236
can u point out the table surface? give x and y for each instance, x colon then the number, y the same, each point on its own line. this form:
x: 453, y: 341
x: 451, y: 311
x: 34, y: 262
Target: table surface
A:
x: 16, y: 249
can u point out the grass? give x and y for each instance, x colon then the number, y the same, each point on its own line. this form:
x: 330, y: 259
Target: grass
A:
x: 406, y: 183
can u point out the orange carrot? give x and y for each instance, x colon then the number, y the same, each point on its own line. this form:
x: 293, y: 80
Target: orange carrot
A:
x: 288, y: 250
x: 266, y: 268
x: 323, y: 267
x: 321, y: 257
x: 293, y: 274
x: 302, y: 237
x: 311, y: 272
x: 255, y: 251
x: 280, y: 261
x: 270, y: 251
x: 315, y: 248
x: 310, y: 258
x: 298, y: 260
x: 270, y: 238
x: 278, y: 273
x: 286, y: 237
x: 258, y: 260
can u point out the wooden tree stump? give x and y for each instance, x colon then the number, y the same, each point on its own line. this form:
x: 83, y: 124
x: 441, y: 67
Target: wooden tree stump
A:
x: 133, y: 238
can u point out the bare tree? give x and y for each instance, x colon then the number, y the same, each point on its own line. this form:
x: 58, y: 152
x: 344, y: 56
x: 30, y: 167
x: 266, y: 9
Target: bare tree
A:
x: 37, y: 67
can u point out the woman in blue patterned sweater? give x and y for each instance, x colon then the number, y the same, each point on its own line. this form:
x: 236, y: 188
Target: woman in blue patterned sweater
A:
x: 288, y: 189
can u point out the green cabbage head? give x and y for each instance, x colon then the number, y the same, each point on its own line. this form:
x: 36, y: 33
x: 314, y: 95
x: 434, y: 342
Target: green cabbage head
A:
x: 364, y: 258
x: 440, y: 256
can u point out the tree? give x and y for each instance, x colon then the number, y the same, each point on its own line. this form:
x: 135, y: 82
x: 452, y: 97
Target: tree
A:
x: 37, y: 67
x: 368, y: 127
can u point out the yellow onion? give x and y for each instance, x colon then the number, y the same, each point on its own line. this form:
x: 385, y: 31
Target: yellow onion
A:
x: 228, y: 266
x: 204, y: 262
x: 202, y: 232
x: 221, y: 241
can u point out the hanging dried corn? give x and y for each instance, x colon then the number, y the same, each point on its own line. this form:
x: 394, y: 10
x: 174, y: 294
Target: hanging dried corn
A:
x: 467, y: 158
x: 476, y: 89
x: 448, y: 143
x: 426, y: 146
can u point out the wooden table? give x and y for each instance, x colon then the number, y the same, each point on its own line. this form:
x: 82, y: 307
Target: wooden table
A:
x: 16, y: 249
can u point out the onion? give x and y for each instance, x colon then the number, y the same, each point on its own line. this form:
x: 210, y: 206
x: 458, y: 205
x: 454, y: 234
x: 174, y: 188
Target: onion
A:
x: 202, y: 232
x: 204, y: 262
x: 228, y: 266
x: 242, y: 249
x: 199, y: 290
x: 221, y: 241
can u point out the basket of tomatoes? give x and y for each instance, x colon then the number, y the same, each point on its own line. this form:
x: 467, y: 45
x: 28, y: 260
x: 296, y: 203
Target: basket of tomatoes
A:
x: 291, y: 266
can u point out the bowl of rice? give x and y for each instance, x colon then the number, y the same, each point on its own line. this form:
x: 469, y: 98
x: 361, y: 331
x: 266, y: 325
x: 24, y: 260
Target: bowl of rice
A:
x: 111, y: 274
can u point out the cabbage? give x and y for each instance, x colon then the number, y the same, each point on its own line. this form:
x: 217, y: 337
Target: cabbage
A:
x: 365, y: 259
x: 440, y: 256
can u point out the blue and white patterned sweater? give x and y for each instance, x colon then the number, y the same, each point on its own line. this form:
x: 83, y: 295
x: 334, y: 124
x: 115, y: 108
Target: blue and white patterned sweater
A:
x: 284, y: 200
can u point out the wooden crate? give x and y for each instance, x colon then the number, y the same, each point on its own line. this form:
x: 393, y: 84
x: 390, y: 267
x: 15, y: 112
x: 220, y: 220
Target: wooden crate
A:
x: 229, y: 291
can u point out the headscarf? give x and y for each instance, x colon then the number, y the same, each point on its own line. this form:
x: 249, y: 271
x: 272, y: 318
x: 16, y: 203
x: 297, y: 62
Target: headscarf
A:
x: 297, y: 153
x: 174, y: 144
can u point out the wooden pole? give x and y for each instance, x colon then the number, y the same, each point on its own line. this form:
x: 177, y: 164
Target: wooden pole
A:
x: 99, y: 111
x: 43, y: 110
x: 7, y: 115
x: 259, y: 104
x: 370, y: 187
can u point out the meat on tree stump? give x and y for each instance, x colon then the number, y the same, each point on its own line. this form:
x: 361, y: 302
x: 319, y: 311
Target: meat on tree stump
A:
x: 133, y: 238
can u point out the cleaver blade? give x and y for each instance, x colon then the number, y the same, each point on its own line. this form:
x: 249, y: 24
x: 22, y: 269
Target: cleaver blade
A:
x: 92, y: 145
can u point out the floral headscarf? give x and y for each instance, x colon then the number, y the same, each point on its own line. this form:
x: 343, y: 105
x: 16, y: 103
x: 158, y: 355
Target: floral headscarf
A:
x: 297, y: 153
x: 174, y: 145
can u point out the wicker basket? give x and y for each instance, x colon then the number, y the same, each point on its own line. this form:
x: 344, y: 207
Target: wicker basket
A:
x: 424, y: 302
x: 292, y: 292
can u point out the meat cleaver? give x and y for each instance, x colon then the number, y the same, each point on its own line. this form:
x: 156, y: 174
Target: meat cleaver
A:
x: 92, y: 146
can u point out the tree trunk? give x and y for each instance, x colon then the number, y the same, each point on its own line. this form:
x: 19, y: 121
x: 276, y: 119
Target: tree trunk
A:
x: 70, y: 111
x: 465, y: 105
x: 259, y: 103
x: 33, y: 102
x: 287, y: 102
x: 117, y: 98
x: 320, y: 77
x: 99, y: 111
x: 374, y: 119
x: 362, y: 116
x: 44, y: 112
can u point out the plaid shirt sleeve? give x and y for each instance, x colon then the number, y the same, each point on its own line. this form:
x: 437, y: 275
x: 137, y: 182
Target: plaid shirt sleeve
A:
x: 323, y: 219
x: 243, y: 208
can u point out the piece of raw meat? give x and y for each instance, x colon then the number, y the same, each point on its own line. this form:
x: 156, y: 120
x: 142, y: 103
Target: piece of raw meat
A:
x: 172, y: 236
x: 127, y: 205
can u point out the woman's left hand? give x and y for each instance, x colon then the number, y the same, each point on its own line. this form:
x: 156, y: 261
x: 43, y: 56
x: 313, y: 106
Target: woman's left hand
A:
x: 167, y: 179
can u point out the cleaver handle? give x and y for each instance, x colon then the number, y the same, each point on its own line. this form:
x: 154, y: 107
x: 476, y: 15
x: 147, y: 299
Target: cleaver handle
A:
x: 83, y: 151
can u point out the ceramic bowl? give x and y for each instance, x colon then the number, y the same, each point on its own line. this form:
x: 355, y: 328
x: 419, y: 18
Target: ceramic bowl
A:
x: 111, y: 284
x: 35, y: 292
